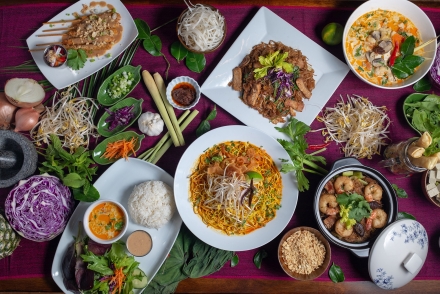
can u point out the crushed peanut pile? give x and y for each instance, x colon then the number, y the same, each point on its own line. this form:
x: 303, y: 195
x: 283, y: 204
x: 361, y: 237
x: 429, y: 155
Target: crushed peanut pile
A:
x: 303, y: 252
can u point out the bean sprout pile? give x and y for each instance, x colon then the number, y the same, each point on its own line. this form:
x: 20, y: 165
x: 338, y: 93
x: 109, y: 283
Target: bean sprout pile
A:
x: 359, y: 124
x: 202, y: 28
x: 70, y: 118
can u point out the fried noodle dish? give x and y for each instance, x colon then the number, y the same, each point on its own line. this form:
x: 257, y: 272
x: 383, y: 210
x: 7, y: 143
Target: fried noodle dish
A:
x: 274, y: 79
x: 236, y: 188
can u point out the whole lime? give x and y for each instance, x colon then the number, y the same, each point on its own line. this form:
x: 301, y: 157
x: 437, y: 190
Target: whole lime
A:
x: 332, y: 33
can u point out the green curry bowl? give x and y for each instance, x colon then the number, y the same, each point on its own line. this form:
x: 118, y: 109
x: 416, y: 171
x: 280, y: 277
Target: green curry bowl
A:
x: 101, y: 148
x: 103, y: 126
x: 413, y: 110
x: 119, y: 84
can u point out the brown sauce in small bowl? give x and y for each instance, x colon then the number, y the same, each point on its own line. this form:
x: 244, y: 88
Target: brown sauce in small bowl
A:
x: 139, y: 243
x: 183, y: 94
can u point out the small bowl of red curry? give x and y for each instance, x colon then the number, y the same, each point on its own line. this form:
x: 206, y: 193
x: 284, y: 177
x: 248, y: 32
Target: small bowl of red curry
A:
x: 105, y: 221
x: 183, y: 93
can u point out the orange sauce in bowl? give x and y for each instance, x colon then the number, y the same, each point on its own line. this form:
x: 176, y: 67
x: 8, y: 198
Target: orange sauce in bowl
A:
x: 106, y: 221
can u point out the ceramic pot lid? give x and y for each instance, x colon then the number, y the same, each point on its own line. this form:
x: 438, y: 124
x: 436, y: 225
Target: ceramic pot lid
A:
x: 398, y: 254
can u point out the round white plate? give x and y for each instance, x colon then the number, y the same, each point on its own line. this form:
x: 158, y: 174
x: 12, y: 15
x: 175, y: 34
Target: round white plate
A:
x: 398, y: 254
x: 194, y: 222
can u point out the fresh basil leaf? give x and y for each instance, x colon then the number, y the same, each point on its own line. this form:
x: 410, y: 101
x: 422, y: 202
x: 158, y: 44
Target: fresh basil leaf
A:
x: 153, y: 45
x: 73, y: 180
x: 91, y: 196
x: 203, y: 128
x: 258, y: 257
x: 178, y: 51
x: 143, y: 29
x: 335, y: 273
x: 413, y: 61
x: 234, y: 260
x: 212, y: 114
x: 407, y: 47
x: 404, y: 215
x: 422, y: 85
x: 401, y: 193
x: 195, y: 62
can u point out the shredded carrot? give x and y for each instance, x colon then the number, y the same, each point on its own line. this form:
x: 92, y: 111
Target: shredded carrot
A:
x: 118, y: 278
x: 120, y: 149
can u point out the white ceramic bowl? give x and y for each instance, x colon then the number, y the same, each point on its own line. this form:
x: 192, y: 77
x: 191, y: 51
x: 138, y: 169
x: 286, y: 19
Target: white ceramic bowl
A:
x: 178, y: 80
x: 89, y: 232
x: 420, y: 20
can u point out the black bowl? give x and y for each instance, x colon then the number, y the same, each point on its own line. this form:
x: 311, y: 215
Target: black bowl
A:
x: 389, y: 202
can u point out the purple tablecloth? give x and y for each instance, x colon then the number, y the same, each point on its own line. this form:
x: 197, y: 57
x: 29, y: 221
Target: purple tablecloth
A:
x: 35, y: 259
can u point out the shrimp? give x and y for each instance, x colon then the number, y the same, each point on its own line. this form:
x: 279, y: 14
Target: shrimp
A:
x: 377, y: 219
x: 329, y: 187
x: 343, y: 184
x: 342, y: 230
x: 373, y: 191
x: 328, y: 204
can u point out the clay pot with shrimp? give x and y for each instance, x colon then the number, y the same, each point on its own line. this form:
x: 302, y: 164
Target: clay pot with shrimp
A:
x: 370, y: 189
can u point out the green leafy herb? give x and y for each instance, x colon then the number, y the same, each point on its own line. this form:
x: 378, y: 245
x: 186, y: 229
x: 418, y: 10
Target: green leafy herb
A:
x: 401, y: 193
x: 357, y: 205
x: 296, y: 148
x: 272, y: 60
x: 76, y: 58
x: 422, y: 85
x: 258, y: 257
x: 358, y: 51
x: 195, y: 62
x: 234, y: 260
x: 74, y: 170
x: 204, y: 125
x: 189, y: 258
x: 404, y: 215
x: 119, y: 225
x: 151, y: 43
x: 335, y: 273
x: 405, y: 64
x: 178, y: 51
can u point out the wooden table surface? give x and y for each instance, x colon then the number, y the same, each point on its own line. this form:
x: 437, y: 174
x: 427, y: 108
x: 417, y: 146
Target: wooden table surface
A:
x: 206, y: 285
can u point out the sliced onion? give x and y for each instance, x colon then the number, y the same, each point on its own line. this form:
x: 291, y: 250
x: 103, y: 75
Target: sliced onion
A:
x: 24, y: 92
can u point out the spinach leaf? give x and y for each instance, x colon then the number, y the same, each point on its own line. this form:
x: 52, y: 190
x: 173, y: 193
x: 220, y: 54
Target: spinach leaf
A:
x: 204, y: 125
x: 234, y: 260
x: 401, y: 193
x: 335, y: 273
x: 258, y: 257
x: 178, y: 51
x: 404, y: 215
x: 195, y: 61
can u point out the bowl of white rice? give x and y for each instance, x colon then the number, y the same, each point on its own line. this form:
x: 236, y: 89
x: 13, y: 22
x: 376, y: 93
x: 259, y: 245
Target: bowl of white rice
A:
x: 151, y: 204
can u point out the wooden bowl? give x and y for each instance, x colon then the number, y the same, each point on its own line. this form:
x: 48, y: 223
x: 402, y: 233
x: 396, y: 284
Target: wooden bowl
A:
x: 179, y: 20
x: 317, y: 272
x: 432, y: 200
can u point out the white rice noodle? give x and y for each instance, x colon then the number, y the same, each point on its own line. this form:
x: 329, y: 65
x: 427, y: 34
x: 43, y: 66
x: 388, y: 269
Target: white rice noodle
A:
x: 202, y: 28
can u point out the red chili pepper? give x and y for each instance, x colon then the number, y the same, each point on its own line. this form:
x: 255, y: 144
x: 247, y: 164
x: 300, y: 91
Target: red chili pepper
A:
x: 319, y: 146
x: 394, y: 53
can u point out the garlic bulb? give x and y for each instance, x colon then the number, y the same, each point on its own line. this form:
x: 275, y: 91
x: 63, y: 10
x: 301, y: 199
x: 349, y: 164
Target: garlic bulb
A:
x: 150, y: 123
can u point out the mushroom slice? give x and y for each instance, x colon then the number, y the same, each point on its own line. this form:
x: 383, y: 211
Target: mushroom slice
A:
x: 376, y: 35
x: 386, y: 45
x: 370, y: 56
x: 377, y: 62
x: 378, y: 50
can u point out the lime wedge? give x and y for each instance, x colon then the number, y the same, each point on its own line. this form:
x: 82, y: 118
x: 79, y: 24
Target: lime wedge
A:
x: 254, y: 175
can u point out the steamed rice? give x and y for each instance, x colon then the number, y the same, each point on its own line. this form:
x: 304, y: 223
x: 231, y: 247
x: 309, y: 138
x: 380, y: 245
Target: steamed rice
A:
x: 151, y: 204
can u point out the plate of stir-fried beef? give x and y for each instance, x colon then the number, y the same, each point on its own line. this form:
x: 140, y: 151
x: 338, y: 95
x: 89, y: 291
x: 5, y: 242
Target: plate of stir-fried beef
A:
x: 272, y: 72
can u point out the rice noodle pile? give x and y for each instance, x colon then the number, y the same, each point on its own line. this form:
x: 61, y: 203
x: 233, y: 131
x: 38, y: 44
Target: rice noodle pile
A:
x: 303, y: 252
x: 359, y: 124
x: 70, y: 118
x: 202, y: 28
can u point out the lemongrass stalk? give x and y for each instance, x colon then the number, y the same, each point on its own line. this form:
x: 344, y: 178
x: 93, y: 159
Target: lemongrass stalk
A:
x: 154, y: 92
x: 168, y: 143
x: 147, y: 154
x: 163, y: 93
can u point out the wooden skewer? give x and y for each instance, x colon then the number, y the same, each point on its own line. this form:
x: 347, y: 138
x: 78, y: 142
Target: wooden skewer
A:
x: 426, y: 43
x: 58, y: 29
x: 32, y: 50
x: 47, y: 44
x: 51, y: 35
x: 62, y: 21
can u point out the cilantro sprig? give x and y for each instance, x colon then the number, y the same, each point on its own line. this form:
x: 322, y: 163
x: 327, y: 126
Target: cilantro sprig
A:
x: 406, y: 63
x: 76, y: 58
x: 296, y: 148
x: 358, y: 206
x: 273, y: 60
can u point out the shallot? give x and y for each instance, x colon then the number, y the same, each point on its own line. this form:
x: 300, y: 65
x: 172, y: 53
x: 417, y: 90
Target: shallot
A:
x: 6, y: 112
x: 26, y: 119
x: 24, y: 92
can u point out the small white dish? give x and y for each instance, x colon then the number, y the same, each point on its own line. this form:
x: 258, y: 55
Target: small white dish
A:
x: 87, y: 227
x: 398, y: 254
x: 179, y: 80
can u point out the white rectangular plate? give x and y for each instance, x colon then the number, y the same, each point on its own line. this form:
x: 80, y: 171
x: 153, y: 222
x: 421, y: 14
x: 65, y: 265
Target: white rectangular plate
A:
x: 266, y: 26
x: 65, y: 76
x: 117, y: 183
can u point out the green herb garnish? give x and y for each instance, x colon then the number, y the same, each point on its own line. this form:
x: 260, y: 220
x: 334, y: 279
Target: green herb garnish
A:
x: 234, y: 260
x: 76, y: 58
x: 422, y: 85
x: 272, y: 60
x: 335, y: 273
x: 356, y: 204
x: 406, y: 63
x: 401, y: 193
x: 204, y: 125
x: 258, y: 257
x: 404, y: 215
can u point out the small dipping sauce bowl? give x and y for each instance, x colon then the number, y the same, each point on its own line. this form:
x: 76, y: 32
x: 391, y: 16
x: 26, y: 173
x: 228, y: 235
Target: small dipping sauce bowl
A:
x: 55, y: 56
x: 104, y: 217
x: 139, y: 243
x: 183, y: 93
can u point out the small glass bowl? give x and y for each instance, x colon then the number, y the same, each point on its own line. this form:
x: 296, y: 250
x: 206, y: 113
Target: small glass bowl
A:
x: 55, y: 56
